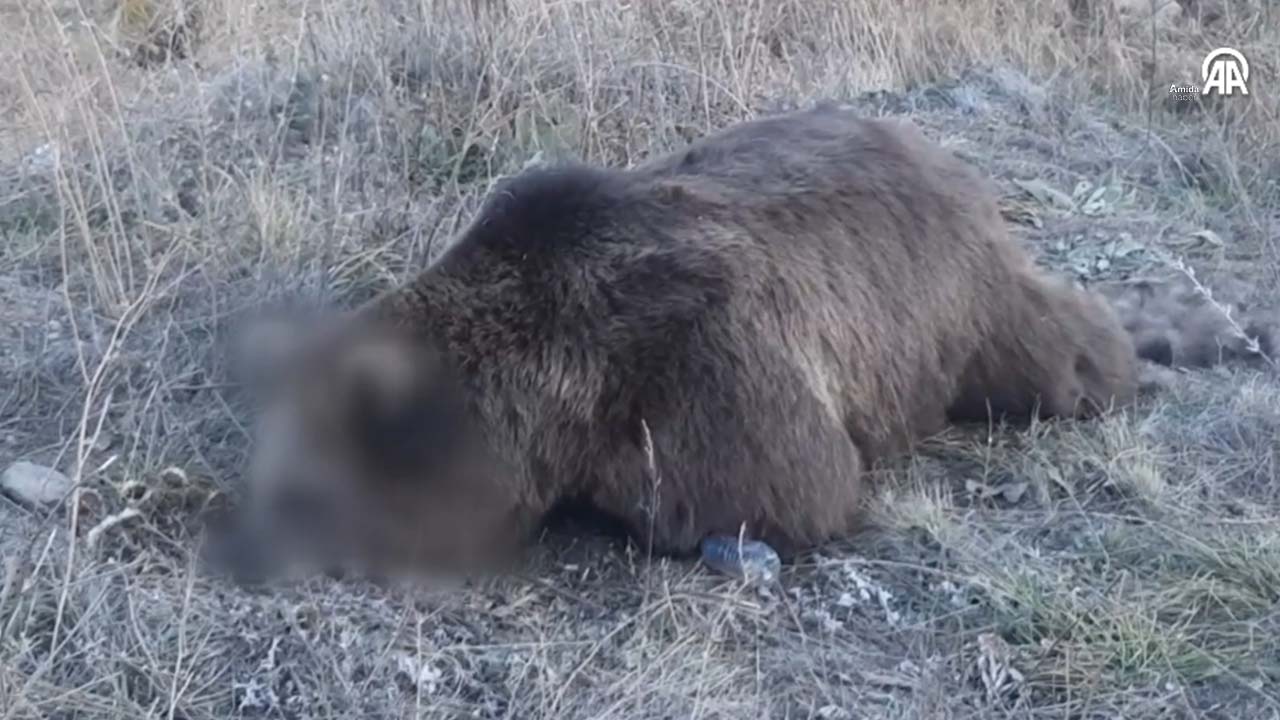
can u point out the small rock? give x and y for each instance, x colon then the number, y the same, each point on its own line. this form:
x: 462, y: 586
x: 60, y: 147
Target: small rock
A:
x: 34, y: 484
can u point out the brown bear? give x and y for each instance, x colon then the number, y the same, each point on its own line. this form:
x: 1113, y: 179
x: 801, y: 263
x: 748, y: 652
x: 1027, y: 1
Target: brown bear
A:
x: 775, y: 308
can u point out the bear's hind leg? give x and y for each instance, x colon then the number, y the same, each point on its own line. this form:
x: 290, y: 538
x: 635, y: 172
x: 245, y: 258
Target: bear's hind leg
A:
x: 1054, y: 350
x: 779, y: 468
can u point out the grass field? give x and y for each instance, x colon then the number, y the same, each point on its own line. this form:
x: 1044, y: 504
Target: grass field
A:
x: 322, y: 150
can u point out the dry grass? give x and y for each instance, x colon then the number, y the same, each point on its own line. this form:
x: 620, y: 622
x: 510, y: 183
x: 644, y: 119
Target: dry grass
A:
x: 319, y: 150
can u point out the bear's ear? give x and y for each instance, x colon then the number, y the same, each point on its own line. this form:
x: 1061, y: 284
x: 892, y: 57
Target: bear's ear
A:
x: 395, y: 401
x: 378, y: 376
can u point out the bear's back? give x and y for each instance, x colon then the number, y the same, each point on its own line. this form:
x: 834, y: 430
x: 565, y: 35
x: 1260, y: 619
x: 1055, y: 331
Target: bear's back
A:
x: 852, y: 252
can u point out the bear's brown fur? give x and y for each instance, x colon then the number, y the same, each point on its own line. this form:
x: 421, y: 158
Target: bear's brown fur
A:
x: 779, y: 305
x: 1174, y: 322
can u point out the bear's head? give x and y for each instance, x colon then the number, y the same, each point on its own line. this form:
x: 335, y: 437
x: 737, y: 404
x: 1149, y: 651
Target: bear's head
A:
x: 364, y: 456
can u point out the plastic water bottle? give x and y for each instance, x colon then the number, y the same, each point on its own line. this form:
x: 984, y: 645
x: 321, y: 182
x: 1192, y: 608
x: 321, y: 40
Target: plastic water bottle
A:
x: 750, y: 560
